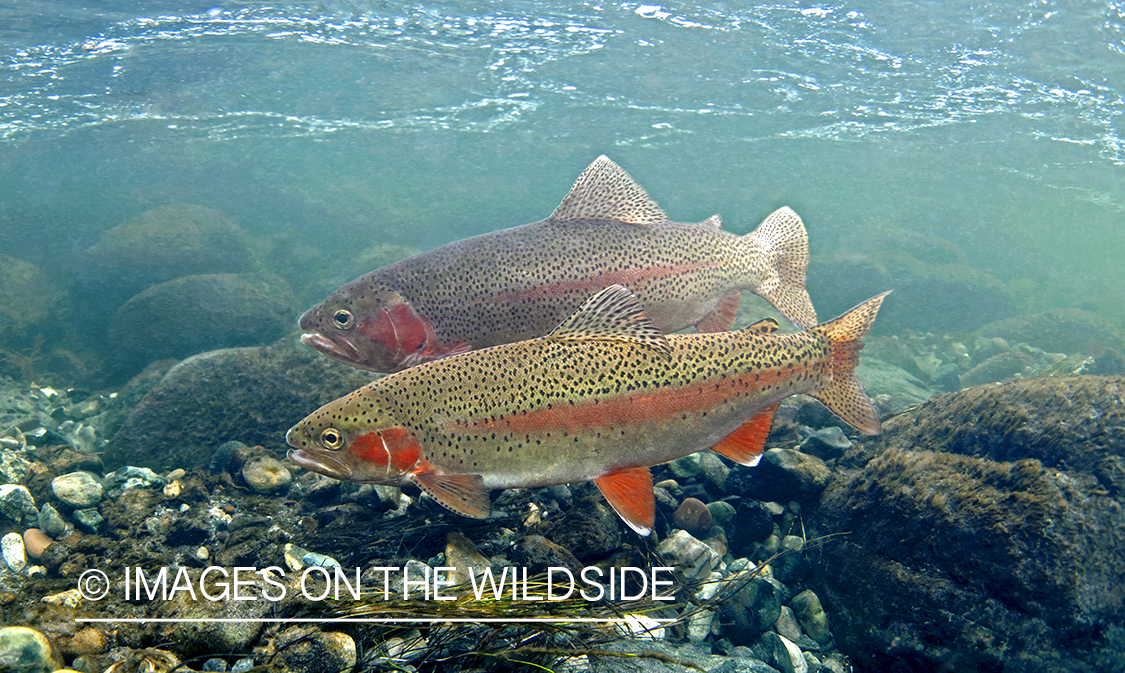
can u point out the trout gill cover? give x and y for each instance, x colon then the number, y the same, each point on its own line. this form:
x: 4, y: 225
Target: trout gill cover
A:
x: 603, y: 397
x: 518, y: 283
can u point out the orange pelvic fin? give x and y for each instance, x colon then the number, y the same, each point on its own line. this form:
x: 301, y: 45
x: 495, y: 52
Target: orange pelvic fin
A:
x: 746, y: 444
x: 629, y: 492
x: 844, y: 394
x: 464, y: 494
x: 722, y: 317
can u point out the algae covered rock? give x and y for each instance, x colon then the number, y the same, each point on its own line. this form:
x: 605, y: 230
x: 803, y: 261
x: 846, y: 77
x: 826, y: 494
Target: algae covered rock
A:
x: 31, y: 304
x: 193, y: 314
x: 935, y: 288
x: 981, y: 532
x: 252, y: 395
x: 1058, y: 331
x: 165, y: 243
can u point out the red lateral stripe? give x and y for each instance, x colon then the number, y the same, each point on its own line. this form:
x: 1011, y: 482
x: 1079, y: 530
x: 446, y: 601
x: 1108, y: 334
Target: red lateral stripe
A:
x: 632, y: 408
x: 632, y: 278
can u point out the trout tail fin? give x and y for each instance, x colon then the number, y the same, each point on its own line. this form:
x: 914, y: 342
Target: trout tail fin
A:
x: 783, y: 238
x: 843, y: 394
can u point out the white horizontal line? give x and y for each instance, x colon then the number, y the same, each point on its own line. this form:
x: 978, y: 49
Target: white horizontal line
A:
x: 367, y: 620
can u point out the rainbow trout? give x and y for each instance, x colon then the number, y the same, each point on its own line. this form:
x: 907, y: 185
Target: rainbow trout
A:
x: 603, y: 397
x: 516, y: 284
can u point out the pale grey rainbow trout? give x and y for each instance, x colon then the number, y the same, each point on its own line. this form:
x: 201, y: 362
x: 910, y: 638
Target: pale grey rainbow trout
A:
x: 518, y: 283
x: 603, y: 397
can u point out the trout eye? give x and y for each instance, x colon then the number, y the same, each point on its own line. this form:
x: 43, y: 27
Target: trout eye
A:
x: 331, y: 438
x: 343, y: 319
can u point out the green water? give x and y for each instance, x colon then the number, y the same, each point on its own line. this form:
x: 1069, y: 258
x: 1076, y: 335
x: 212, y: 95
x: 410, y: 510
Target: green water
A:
x: 990, y: 131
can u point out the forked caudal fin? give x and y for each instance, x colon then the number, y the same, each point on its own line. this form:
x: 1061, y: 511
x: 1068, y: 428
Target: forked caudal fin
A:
x: 843, y: 394
x: 783, y: 237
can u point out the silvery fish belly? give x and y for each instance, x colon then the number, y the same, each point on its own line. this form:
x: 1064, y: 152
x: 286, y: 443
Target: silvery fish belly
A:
x: 518, y: 283
x: 603, y: 397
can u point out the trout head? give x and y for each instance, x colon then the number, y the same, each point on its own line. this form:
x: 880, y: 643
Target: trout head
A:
x: 373, y: 329
x: 354, y: 439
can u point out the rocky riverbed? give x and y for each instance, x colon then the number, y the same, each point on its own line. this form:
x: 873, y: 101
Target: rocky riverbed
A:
x: 981, y: 531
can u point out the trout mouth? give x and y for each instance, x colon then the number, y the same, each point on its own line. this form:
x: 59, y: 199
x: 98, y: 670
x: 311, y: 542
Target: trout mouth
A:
x: 328, y: 466
x: 337, y: 350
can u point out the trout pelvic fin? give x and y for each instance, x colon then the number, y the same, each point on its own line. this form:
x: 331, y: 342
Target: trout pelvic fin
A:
x: 722, y: 316
x: 613, y: 314
x: 783, y: 238
x: 462, y: 494
x: 629, y: 492
x: 844, y: 394
x: 746, y: 444
x: 606, y: 193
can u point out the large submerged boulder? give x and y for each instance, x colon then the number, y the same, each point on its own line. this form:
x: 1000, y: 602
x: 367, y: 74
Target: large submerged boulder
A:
x: 1068, y: 330
x: 935, y: 288
x: 251, y: 395
x: 193, y: 314
x: 31, y: 304
x: 985, y: 532
x: 165, y: 243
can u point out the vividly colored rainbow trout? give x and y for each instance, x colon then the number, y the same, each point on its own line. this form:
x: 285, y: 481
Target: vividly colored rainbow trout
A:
x: 603, y: 397
x: 516, y: 284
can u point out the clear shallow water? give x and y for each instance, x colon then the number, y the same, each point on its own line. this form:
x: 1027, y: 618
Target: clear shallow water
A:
x: 996, y: 127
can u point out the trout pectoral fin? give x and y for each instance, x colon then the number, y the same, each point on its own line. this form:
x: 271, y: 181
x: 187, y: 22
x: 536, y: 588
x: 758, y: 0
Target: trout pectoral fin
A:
x: 464, y: 494
x: 722, y: 317
x: 746, y: 444
x: 629, y: 492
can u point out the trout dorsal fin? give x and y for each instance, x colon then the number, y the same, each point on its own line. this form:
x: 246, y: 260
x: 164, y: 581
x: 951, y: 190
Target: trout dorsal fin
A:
x: 713, y: 221
x: 605, y: 192
x: 614, y: 314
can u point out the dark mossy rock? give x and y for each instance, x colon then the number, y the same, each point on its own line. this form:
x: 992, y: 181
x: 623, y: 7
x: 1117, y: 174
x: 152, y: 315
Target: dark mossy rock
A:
x: 165, y: 243
x: 1069, y: 423
x: 253, y: 395
x: 981, y: 532
x: 194, y: 314
x: 1068, y: 330
x: 937, y: 293
x: 589, y: 530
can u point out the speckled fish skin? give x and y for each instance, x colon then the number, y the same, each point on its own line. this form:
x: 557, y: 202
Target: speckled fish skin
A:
x: 518, y: 283
x: 603, y: 393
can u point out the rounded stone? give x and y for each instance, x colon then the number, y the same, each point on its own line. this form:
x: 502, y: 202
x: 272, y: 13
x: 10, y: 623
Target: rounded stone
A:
x: 692, y: 516
x: 14, y: 553
x: 77, y: 489
x: 16, y: 502
x: 27, y: 650
x: 266, y: 474
x: 313, y: 651
x: 809, y: 613
x: 51, y: 522
x: 36, y: 542
x: 90, y: 519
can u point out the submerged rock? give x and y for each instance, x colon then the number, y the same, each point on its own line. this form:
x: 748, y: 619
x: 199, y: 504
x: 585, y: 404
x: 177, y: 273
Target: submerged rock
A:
x: 165, y: 243
x: 27, y: 651
x: 30, y: 303
x: 193, y: 314
x: 1058, y: 331
x: 980, y: 534
x: 252, y: 395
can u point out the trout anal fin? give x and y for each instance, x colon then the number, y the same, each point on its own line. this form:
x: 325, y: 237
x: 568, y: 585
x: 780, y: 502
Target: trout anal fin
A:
x: 746, y: 444
x: 629, y: 492
x: 463, y: 494
x: 721, y: 318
